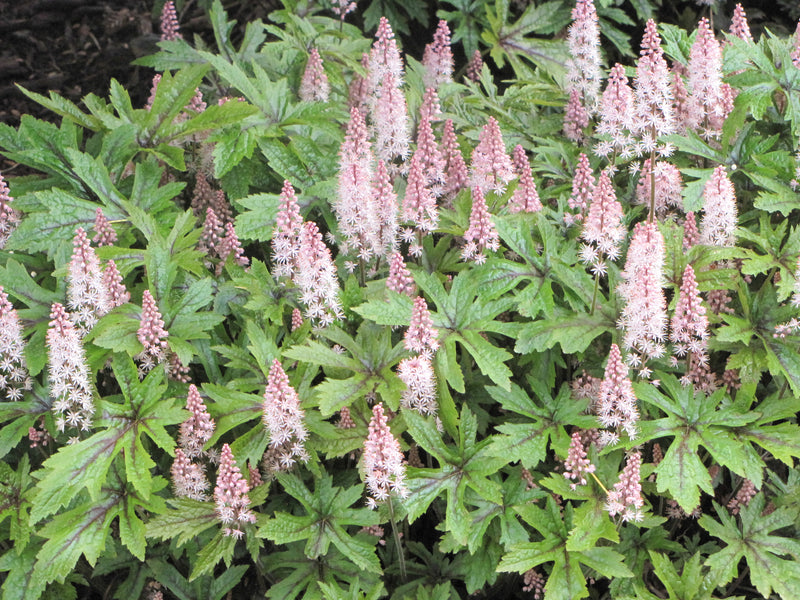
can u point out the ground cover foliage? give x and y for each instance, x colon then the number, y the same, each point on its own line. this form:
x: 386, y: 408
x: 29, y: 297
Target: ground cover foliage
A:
x: 329, y: 320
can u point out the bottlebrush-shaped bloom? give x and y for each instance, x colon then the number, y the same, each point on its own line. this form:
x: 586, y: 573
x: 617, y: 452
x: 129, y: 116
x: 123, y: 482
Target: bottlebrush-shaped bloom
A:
x: 14, y: 379
x: 739, y: 25
x: 286, y: 235
x: 683, y: 101
x: 387, y: 210
x: 385, y: 472
x: 668, y: 186
x: 616, y: 114
x: 482, y: 234
x: 626, y: 497
x: 212, y: 235
x: 343, y: 7
x: 188, y: 479
x: 653, y: 93
x: 419, y: 204
x: 355, y: 207
x: 420, y: 393
x: 583, y: 66
x: 87, y: 295
x: 202, y: 196
x: 390, y: 121
x: 644, y: 316
x: 112, y: 280
x: 430, y: 108
x: 616, y: 403
x: 455, y: 167
x: 421, y: 335
x: 400, y: 279
x: 603, y: 230
x: 474, y: 67
x: 526, y: 196
x: 68, y: 373
x: 438, y: 58
x: 230, y: 495
x: 711, y: 99
x: 718, y: 225
x: 384, y: 57
x: 314, y: 86
x: 198, y: 428
x: 492, y: 168
x: 9, y: 218
x: 104, y: 232
x: 315, y: 275
x: 691, y: 235
x: 151, y: 334
x: 230, y: 245
x: 430, y: 158
x: 583, y: 184
x: 297, y: 319
x: 575, y: 118
x: 283, y: 418
x: 689, y: 323
x: 577, y: 465
x: 169, y: 22
x: 358, y: 92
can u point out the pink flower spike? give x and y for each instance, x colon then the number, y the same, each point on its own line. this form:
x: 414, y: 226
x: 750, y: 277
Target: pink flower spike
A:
x: 384, y: 57
x: 284, y: 419
x: 384, y: 468
x: 314, y: 86
x: 626, y: 497
x: 668, y: 186
x: 711, y: 99
x: 104, y: 232
x: 316, y: 277
x: 212, y: 235
x: 576, y: 119
x: 169, y: 23
x: 603, y: 228
x: 421, y: 334
x: 87, y: 295
x: 455, y: 167
x: 68, y: 373
x: 482, y: 234
x: 428, y: 154
x: 112, y: 281
x: 691, y: 235
x: 400, y: 279
x: 419, y: 204
x: 9, y: 218
x: 430, y: 108
x: 739, y: 26
x: 231, y: 245
x: 583, y: 184
x: 474, y: 67
x: 14, y: 379
x: 616, y: 404
x: 584, y: 65
x: 151, y: 334
x: 285, y: 236
x: 526, y: 196
x: 390, y: 121
x: 718, y: 226
x: 577, y: 465
x: 230, y: 495
x: 358, y: 92
x: 188, y: 479
x: 491, y: 166
x: 297, y: 319
x: 198, y: 428
x: 420, y: 393
x: 616, y: 116
x: 438, y: 58
x: 387, y: 209
x: 653, y: 92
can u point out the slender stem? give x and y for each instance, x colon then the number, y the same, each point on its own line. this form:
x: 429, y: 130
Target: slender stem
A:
x: 361, y: 272
x: 599, y: 483
x: 397, y: 540
x: 594, y: 295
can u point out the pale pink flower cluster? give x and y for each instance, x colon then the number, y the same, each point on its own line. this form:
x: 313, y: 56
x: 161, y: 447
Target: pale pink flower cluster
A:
x: 482, y: 234
x: 197, y: 430
x: 626, y: 497
x: 583, y: 184
x: 316, y: 277
x: 691, y: 235
x: 314, y: 86
x: 474, y: 67
x: 283, y: 418
x: 343, y: 7
x: 526, y: 196
x: 188, y: 479
x: 387, y: 209
x: 87, y: 296
x: 418, y: 375
x: 68, y: 373
x: 616, y: 403
x: 653, y: 92
x: 616, y: 117
x: 430, y: 158
x: 534, y: 583
x: 112, y: 280
x: 584, y: 65
x: 419, y: 207
x: 711, y: 100
x: 211, y: 235
x: 169, y: 22
x: 231, y: 246
x: 358, y: 92
x: 644, y: 316
x: 438, y: 58
x: 383, y: 461
x: 743, y: 497
x: 603, y: 230
x: 230, y: 496
x: 104, y: 232
x: 400, y: 279
x: 355, y: 206
x: 668, y: 186
x: 718, y: 226
x: 456, y: 171
x: 739, y: 26
x: 9, y: 217
x: 689, y: 329
x: 492, y: 168
x: 420, y: 337
x: 151, y: 335
x: 14, y: 379
x: 297, y: 319
x: 576, y: 119
x: 286, y: 235
x: 577, y: 465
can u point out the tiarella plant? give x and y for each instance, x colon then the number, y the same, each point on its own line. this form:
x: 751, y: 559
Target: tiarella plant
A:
x: 328, y: 319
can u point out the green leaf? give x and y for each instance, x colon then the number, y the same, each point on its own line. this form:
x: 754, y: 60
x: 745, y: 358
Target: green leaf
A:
x: 221, y: 547
x: 574, y: 332
x: 188, y: 520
